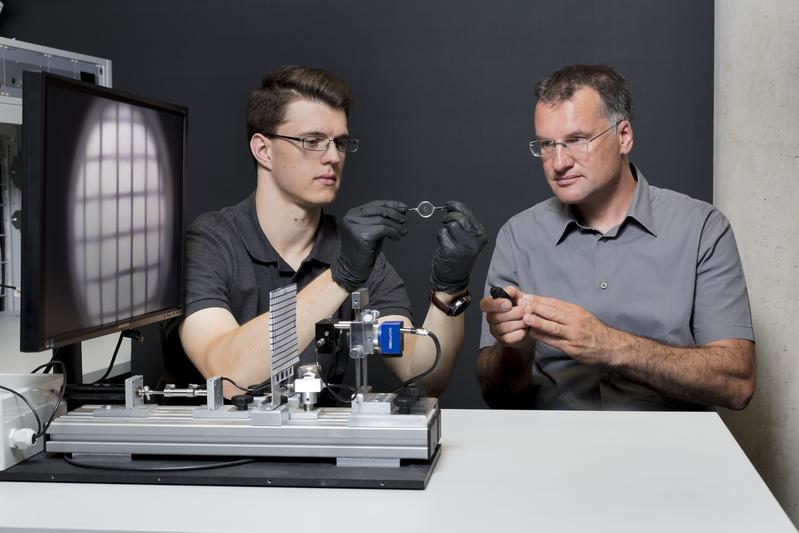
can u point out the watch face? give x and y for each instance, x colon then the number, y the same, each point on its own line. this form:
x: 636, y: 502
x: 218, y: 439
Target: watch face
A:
x: 460, y: 305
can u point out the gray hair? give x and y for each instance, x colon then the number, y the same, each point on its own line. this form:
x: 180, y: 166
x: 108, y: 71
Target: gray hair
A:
x: 613, y: 88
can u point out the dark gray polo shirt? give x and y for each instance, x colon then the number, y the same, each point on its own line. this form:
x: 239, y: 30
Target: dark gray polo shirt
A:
x: 670, y: 272
x: 231, y: 264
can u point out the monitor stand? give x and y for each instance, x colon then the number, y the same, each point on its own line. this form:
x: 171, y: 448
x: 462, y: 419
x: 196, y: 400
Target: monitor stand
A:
x: 72, y: 358
x: 79, y: 393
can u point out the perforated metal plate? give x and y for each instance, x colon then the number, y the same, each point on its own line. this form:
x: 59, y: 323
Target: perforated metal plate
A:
x: 283, y: 344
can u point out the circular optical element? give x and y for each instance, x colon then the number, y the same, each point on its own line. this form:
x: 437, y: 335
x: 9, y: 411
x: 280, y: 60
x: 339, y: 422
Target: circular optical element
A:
x: 425, y: 209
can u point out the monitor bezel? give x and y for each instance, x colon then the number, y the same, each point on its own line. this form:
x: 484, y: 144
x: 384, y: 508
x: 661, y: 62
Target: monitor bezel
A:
x: 34, y: 148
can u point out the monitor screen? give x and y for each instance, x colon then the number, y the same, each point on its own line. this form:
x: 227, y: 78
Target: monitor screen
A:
x: 102, y: 211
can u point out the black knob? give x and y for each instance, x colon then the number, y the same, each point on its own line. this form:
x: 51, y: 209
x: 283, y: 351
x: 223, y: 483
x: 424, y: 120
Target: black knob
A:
x: 413, y: 391
x: 242, y: 401
x: 404, y: 403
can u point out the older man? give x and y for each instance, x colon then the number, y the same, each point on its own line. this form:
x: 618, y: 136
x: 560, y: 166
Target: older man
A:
x: 621, y: 295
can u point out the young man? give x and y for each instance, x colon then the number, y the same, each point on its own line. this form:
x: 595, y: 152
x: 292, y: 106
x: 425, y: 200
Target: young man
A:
x: 297, y: 126
x: 622, y: 295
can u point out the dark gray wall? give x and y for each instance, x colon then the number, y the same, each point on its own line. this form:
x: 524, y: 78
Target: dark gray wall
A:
x: 443, y: 96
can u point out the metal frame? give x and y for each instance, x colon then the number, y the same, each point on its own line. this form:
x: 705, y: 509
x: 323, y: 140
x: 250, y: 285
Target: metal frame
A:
x: 335, y: 432
x: 16, y: 56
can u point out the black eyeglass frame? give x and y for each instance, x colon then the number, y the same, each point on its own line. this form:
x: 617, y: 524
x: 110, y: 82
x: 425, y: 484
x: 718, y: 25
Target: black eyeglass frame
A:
x: 345, y: 145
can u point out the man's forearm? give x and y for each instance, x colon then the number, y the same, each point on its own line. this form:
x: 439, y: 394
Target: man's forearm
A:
x: 449, y: 331
x: 505, y: 376
x: 717, y: 373
x: 720, y: 373
x: 243, y: 353
x: 420, y: 351
x: 317, y: 301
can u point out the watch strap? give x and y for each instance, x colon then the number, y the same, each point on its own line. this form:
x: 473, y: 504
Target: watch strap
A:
x: 457, y: 306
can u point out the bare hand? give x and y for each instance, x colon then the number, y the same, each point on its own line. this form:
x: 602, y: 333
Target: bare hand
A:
x: 571, y: 329
x: 505, y: 318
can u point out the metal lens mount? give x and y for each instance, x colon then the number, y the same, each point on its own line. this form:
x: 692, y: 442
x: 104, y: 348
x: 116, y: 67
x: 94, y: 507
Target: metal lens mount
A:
x: 425, y: 209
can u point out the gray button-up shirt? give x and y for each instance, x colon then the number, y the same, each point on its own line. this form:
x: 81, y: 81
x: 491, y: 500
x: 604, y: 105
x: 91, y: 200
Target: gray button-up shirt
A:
x: 670, y: 272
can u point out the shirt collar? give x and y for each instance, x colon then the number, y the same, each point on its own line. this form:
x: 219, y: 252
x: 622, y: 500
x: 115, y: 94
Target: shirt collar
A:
x: 252, y: 235
x: 640, y: 210
x: 326, y: 245
x: 641, y: 207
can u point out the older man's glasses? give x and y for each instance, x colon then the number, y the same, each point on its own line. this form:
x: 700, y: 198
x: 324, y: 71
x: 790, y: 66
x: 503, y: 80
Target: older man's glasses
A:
x: 573, y: 145
x: 319, y: 143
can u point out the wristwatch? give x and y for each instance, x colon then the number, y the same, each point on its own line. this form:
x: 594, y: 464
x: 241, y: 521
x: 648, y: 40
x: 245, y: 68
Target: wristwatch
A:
x: 457, y: 307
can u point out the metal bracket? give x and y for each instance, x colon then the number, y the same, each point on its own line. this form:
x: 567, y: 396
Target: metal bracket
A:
x: 132, y: 387
x: 213, y: 391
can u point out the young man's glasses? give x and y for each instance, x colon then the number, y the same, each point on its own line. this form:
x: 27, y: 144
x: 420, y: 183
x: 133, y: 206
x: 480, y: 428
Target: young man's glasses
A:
x: 573, y: 145
x: 319, y: 143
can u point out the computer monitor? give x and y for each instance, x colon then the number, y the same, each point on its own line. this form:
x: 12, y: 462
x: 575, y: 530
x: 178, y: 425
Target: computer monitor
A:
x: 102, y: 211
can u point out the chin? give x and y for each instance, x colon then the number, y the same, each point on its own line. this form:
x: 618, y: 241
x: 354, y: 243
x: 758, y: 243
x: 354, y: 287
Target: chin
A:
x: 322, y: 200
x: 568, y: 197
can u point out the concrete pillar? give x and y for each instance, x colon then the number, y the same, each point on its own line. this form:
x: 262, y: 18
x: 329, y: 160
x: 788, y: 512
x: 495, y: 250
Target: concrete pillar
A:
x: 756, y: 184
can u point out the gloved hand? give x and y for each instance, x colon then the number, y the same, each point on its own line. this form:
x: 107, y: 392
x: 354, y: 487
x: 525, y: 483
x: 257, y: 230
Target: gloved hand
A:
x: 459, y: 244
x: 362, y: 231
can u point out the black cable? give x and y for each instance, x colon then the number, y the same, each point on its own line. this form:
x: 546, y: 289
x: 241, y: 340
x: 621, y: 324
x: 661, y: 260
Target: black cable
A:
x: 252, y: 390
x: 261, y: 389
x: 113, y: 358
x: 130, y: 334
x: 42, y: 428
x: 35, y: 414
x: 61, y: 392
x: 430, y: 370
x: 331, y: 386
x: 4, y: 286
x: 135, y: 468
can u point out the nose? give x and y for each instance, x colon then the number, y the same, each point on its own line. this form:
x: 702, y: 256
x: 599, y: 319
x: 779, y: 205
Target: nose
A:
x: 561, y: 159
x: 331, y: 155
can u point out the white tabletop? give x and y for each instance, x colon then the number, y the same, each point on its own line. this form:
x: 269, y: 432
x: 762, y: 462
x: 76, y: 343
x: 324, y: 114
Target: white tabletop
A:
x: 503, y: 471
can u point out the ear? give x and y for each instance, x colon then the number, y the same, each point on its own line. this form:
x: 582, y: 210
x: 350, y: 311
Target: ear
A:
x: 261, y: 150
x: 625, y: 136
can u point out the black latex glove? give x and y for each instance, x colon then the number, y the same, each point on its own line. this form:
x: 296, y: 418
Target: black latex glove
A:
x: 362, y: 231
x: 459, y: 244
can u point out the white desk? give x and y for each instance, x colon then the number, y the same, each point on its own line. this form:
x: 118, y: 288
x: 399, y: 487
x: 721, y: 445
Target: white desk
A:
x: 96, y: 352
x: 500, y: 471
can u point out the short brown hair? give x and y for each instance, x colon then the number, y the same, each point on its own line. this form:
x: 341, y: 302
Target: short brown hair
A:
x: 267, y: 106
x: 613, y: 88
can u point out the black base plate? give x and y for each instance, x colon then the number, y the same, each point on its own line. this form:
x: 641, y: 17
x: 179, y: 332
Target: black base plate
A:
x: 273, y: 472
